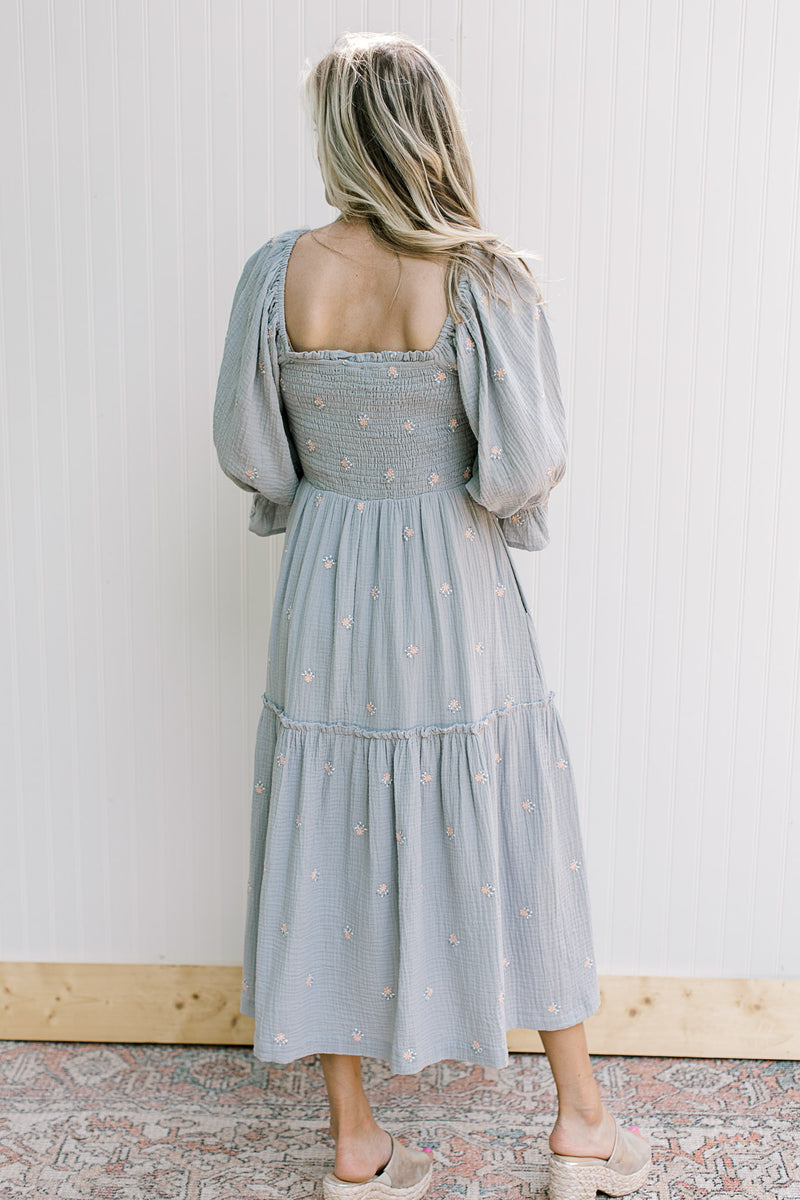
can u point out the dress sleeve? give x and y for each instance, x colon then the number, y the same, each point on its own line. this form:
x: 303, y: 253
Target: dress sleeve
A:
x: 250, y: 431
x: 510, y: 387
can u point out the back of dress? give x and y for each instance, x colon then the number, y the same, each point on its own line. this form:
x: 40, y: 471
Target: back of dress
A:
x: 415, y: 885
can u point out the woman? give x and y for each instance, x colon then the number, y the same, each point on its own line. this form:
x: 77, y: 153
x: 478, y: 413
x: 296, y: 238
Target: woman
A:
x: 389, y: 393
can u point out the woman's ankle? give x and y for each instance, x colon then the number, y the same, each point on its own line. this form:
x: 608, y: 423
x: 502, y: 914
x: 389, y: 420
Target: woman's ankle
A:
x: 583, y: 1132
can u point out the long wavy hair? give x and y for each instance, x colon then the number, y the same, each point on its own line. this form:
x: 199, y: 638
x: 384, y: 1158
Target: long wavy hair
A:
x: 392, y: 150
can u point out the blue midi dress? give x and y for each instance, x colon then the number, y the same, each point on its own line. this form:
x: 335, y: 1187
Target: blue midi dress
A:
x: 417, y: 883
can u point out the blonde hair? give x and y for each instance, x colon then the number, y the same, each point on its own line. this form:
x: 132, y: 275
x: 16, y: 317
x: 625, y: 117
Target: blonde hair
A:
x: 392, y: 151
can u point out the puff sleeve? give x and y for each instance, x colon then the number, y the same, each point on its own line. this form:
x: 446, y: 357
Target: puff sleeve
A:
x: 510, y: 387
x: 250, y: 431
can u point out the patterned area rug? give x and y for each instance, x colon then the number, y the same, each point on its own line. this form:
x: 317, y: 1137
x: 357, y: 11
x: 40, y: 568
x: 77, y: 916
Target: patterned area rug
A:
x: 156, y: 1122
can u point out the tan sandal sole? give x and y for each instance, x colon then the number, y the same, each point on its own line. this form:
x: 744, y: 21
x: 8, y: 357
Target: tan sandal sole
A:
x: 374, y: 1189
x: 569, y: 1181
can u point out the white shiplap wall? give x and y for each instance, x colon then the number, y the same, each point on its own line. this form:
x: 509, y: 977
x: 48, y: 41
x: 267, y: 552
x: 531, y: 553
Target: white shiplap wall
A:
x: 649, y: 153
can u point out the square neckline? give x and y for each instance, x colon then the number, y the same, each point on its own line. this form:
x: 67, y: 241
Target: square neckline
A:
x: 354, y: 355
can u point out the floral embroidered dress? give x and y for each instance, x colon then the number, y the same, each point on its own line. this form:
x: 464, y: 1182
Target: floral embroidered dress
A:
x: 417, y: 884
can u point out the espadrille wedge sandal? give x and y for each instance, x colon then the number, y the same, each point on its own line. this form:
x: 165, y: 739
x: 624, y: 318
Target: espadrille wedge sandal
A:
x: 406, y: 1176
x: 574, y: 1177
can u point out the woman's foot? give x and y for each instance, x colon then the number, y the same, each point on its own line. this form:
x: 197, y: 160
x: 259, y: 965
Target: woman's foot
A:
x: 360, y: 1156
x: 589, y: 1134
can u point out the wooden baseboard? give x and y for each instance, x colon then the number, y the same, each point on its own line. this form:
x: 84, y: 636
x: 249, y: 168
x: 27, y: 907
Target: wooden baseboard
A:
x: 199, y: 1005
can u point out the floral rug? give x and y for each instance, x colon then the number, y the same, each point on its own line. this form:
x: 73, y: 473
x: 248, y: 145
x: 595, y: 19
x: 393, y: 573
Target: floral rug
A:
x: 108, y: 1121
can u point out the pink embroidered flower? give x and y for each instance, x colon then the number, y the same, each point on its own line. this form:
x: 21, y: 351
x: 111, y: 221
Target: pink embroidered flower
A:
x: 409, y: 425
x: 497, y: 757
x: 374, y: 591
x: 469, y: 533
x: 509, y: 701
x: 480, y: 777
x: 348, y: 933
x: 409, y: 1055
x: 487, y: 889
x: 453, y: 940
x: 360, y: 829
x: 528, y: 805
x: 318, y: 499
x: 500, y: 373
x: 408, y: 532
x: 328, y: 768
x: 427, y: 993
x: 251, y: 473
x: 575, y: 865
x: 561, y: 764
x: 360, y: 506
x: 411, y: 650
x: 382, y: 889
x: 308, y: 675
x: 370, y: 707
x: 433, y: 478
x: 501, y: 998
x: 425, y: 777
x: 320, y: 403
x: 362, y: 420
x: 446, y: 589
x: 477, y: 1047
x: 387, y: 993
x: 309, y: 980
x: 289, y: 612
x: 554, y: 1008
x: 466, y: 473
x: 347, y: 622
x: 441, y: 376
x: 389, y: 475
x: 356, y: 1035
x: 452, y: 424
x: 392, y: 371
x: 280, y: 1039
x: 311, y: 445
x: 526, y: 912
x: 386, y: 778
x: 345, y: 463
x: 328, y: 562
x: 495, y: 452
x: 315, y: 876
x: 450, y: 832
x: 400, y: 837
x: 470, y: 345
x: 284, y: 929
x: 259, y: 788
x: 500, y: 589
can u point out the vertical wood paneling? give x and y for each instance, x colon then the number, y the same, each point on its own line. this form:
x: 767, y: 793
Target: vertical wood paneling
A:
x: 649, y: 155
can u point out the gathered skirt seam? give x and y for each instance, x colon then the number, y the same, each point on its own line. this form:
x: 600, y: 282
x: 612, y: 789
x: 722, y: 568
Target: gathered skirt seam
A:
x: 414, y: 731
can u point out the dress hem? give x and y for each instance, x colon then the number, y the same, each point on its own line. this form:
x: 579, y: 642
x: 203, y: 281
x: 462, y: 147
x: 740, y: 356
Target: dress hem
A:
x: 453, y: 1051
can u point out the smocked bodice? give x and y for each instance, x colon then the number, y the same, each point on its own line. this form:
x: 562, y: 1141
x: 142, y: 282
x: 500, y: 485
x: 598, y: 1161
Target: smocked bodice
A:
x: 481, y: 409
x: 376, y: 428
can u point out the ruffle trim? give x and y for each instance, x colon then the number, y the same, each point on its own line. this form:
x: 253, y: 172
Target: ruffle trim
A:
x: 415, y: 731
